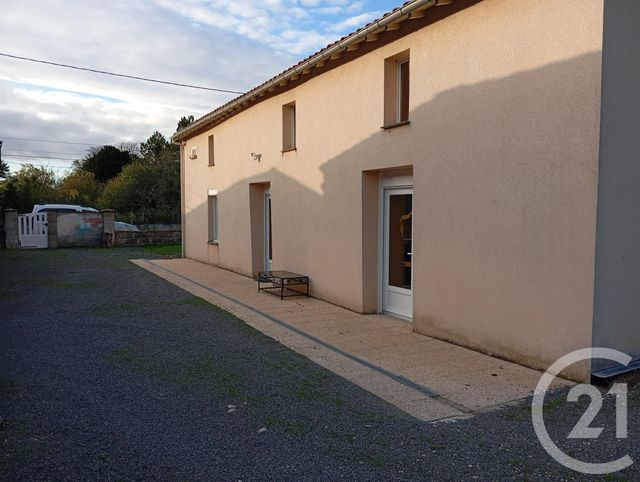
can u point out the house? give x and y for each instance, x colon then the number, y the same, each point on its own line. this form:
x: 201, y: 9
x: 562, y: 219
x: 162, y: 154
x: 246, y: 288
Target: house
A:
x: 470, y: 166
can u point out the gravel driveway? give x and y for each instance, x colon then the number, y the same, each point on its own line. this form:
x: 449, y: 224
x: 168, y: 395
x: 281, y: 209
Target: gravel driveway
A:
x: 109, y: 372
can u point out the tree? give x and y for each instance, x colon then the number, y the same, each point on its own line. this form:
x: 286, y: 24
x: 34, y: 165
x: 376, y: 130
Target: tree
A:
x: 30, y: 185
x: 145, y: 192
x: 157, y: 148
x: 131, y: 147
x: 4, y: 169
x: 184, y: 122
x: 79, y: 187
x: 105, y: 162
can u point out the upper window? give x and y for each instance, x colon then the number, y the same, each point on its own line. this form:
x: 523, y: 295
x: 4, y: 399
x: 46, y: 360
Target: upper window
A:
x: 403, y: 91
x: 210, y: 148
x: 213, y: 218
x: 289, y: 126
x: 396, y: 89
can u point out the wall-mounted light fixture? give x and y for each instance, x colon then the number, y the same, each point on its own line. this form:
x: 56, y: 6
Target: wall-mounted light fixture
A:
x: 256, y: 157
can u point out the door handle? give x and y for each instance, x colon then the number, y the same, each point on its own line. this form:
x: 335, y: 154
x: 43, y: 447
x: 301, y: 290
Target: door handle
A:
x: 409, y: 254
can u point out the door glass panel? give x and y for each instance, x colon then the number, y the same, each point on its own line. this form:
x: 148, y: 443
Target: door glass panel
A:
x: 400, y: 211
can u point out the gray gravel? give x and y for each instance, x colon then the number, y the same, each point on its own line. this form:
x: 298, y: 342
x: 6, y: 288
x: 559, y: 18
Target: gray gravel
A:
x: 108, y: 372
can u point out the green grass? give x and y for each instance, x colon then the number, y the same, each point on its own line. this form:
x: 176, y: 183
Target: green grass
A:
x: 7, y: 384
x: 5, y: 293
x: 206, y: 371
x: 54, y: 283
x: 212, y: 373
x: 108, y: 309
x: 296, y: 428
x: 164, y: 249
x: 238, y: 323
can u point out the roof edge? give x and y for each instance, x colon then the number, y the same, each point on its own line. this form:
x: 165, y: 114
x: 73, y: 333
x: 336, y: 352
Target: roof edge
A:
x: 367, y: 33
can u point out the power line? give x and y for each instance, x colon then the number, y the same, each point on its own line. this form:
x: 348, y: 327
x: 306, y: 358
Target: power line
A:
x: 40, y: 157
x: 45, y: 152
x: 104, y: 72
x: 22, y: 163
x: 54, y: 142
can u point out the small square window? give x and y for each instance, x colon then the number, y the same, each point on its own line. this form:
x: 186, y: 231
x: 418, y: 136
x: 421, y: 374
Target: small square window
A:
x: 289, y: 126
x: 396, y: 89
x: 210, y: 148
x: 213, y: 219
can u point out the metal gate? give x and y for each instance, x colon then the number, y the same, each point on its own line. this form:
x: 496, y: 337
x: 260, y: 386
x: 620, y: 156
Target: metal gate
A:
x: 33, y: 230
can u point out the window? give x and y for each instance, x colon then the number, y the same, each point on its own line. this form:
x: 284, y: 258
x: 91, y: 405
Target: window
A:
x: 403, y: 91
x: 289, y: 126
x: 396, y: 90
x: 213, y: 217
x: 210, y: 148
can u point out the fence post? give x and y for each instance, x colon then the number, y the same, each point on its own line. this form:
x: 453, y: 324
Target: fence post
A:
x: 52, y: 236
x: 108, y: 227
x: 11, y: 228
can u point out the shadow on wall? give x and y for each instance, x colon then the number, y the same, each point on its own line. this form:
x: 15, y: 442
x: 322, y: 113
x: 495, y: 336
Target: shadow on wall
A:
x: 505, y: 175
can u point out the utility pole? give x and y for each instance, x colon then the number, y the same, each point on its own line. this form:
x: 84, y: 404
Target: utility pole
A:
x: 4, y: 168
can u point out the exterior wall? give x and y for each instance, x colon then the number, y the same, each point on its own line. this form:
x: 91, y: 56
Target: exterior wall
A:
x: 617, y: 305
x: 503, y: 143
x: 79, y: 229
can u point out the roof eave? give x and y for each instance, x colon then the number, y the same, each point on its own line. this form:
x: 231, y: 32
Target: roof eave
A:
x: 366, y: 33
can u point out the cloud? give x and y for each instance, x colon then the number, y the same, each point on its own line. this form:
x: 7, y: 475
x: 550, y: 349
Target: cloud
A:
x: 294, y: 26
x: 355, y: 22
x: 225, y: 44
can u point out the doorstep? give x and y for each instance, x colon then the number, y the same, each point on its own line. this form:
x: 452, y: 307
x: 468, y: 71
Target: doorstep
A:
x: 427, y: 378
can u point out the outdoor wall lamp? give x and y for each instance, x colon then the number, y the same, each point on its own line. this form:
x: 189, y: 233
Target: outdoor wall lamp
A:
x: 256, y: 157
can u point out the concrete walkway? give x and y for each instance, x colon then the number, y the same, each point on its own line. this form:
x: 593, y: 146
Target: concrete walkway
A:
x: 427, y: 378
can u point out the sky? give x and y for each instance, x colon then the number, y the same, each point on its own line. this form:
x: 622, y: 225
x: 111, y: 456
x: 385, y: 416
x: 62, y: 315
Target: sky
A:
x: 224, y: 44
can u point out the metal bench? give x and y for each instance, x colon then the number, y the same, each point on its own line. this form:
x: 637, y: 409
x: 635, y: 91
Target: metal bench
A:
x: 283, y: 283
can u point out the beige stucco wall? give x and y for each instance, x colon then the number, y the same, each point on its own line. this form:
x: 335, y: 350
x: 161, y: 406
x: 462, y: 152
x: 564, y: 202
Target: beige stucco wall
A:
x: 503, y: 142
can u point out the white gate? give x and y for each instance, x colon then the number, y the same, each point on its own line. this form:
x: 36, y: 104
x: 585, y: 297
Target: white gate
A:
x: 33, y: 230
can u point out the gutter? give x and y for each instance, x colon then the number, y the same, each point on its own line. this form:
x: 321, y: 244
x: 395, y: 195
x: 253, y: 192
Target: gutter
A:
x: 293, y: 73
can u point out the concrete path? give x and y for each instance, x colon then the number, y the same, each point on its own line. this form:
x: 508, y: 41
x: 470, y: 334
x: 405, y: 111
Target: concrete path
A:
x: 427, y: 378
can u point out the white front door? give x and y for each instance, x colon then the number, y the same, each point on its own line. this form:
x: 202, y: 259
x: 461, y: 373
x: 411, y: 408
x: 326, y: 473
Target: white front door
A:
x: 397, y: 234
x: 268, y: 238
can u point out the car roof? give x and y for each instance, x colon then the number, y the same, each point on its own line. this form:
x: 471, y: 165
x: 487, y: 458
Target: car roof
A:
x: 63, y: 206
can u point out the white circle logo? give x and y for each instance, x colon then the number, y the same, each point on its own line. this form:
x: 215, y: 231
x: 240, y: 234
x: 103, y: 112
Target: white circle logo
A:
x: 582, y: 428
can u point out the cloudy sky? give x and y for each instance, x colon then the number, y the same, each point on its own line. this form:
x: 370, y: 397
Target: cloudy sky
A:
x: 225, y: 44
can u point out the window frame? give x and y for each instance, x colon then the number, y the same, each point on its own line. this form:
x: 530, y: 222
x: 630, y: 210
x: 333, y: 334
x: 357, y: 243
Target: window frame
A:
x: 397, y: 94
x: 213, y: 218
x: 400, y: 90
x: 211, y: 150
x: 289, y: 118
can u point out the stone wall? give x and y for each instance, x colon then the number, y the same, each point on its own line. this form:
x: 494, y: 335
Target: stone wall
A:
x: 137, y: 238
x: 159, y: 227
x: 11, y: 228
x: 68, y: 230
